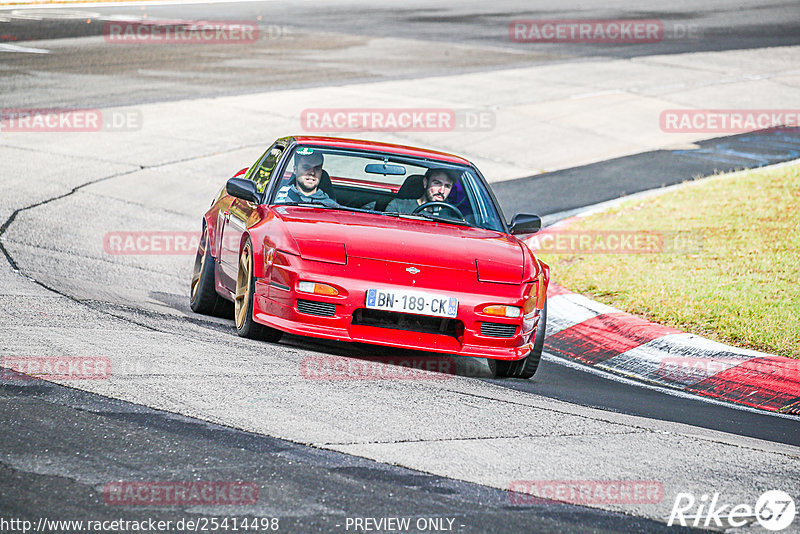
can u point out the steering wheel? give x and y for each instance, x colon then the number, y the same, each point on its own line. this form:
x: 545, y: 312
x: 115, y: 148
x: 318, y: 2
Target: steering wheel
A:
x: 439, y: 204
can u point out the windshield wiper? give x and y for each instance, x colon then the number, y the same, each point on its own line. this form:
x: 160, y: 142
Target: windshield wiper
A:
x: 347, y: 208
x: 438, y: 218
x: 423, y: 216
x: 321, y: 205
x: 312, y: 204
x: 305, y: 204
x: 411, y: 216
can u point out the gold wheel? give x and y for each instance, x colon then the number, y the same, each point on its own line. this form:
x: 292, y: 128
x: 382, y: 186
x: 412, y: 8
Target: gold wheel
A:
x: 243, y: 280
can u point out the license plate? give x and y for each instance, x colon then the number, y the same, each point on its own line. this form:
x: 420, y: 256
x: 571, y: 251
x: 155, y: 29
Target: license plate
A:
x: 416, y: 302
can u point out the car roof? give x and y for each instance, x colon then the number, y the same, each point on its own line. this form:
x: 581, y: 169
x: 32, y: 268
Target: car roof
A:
x: 360, y: 144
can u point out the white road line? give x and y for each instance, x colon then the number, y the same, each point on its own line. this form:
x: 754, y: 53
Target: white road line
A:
x: 52, y: 14
x: 5, y: 47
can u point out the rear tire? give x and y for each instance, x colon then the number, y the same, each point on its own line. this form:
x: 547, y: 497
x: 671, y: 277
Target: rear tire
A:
x: 526, y: 367
x: 203, y: 297
x: 243, y: 301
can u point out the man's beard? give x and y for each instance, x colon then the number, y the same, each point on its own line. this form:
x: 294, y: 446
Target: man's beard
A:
x: 303, y: 188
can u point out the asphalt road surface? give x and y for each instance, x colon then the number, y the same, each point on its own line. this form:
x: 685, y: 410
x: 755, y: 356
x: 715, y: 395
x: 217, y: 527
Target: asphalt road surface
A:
x: 303, y: 44
x: 307, y: 489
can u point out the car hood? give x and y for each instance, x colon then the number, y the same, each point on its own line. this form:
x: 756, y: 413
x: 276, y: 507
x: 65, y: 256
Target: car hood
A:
x: 334, y: 235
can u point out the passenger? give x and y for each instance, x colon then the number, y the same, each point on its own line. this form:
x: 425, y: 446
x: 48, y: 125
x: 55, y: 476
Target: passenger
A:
x: 437, y: 183
x: 305, y: 187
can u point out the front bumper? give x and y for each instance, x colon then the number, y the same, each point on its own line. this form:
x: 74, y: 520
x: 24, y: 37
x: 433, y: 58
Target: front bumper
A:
x: 276, y: 297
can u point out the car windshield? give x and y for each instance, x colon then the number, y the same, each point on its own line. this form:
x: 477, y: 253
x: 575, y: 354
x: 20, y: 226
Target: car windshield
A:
x: 387, y: 184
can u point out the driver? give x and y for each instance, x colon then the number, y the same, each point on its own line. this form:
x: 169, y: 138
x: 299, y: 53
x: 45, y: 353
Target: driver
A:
x: 308, y: 173
x: 437, y: 182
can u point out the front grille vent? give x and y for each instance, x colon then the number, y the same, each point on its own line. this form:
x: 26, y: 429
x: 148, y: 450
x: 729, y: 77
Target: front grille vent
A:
x: 498, y: 329
x: 405, y: 321
x: 312, y: 307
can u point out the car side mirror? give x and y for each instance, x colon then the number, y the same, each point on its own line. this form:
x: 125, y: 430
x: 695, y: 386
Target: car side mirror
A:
x: 523, y: 223
x: 244, y: 189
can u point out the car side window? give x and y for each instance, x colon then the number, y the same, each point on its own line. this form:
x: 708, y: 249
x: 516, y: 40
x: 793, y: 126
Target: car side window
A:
x: 263, y: 174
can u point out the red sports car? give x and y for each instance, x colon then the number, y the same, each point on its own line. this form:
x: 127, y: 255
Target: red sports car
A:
x: 375, y: 243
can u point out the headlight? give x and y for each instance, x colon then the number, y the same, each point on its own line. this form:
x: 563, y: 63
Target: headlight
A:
x: 502, y: 311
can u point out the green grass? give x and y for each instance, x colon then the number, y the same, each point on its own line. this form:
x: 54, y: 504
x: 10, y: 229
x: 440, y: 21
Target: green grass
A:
x: 739, y: 282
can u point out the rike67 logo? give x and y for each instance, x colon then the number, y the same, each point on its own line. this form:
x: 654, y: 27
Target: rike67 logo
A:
x: 774, y: 510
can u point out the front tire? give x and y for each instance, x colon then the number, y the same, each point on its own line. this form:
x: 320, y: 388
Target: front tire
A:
x: 243, y: 300
x: 526, y: 367
x: 203, y: 297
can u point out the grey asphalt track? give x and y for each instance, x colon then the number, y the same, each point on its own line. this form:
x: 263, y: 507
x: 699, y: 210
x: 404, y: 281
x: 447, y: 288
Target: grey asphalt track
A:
x: 92, y: 441
x: 306, y: 44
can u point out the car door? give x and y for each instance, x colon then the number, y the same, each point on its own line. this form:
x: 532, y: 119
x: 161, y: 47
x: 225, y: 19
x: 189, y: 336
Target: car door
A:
x: 237, y: 215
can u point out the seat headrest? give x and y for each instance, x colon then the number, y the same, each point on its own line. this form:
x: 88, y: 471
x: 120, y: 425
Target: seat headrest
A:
x: 412, y: 187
